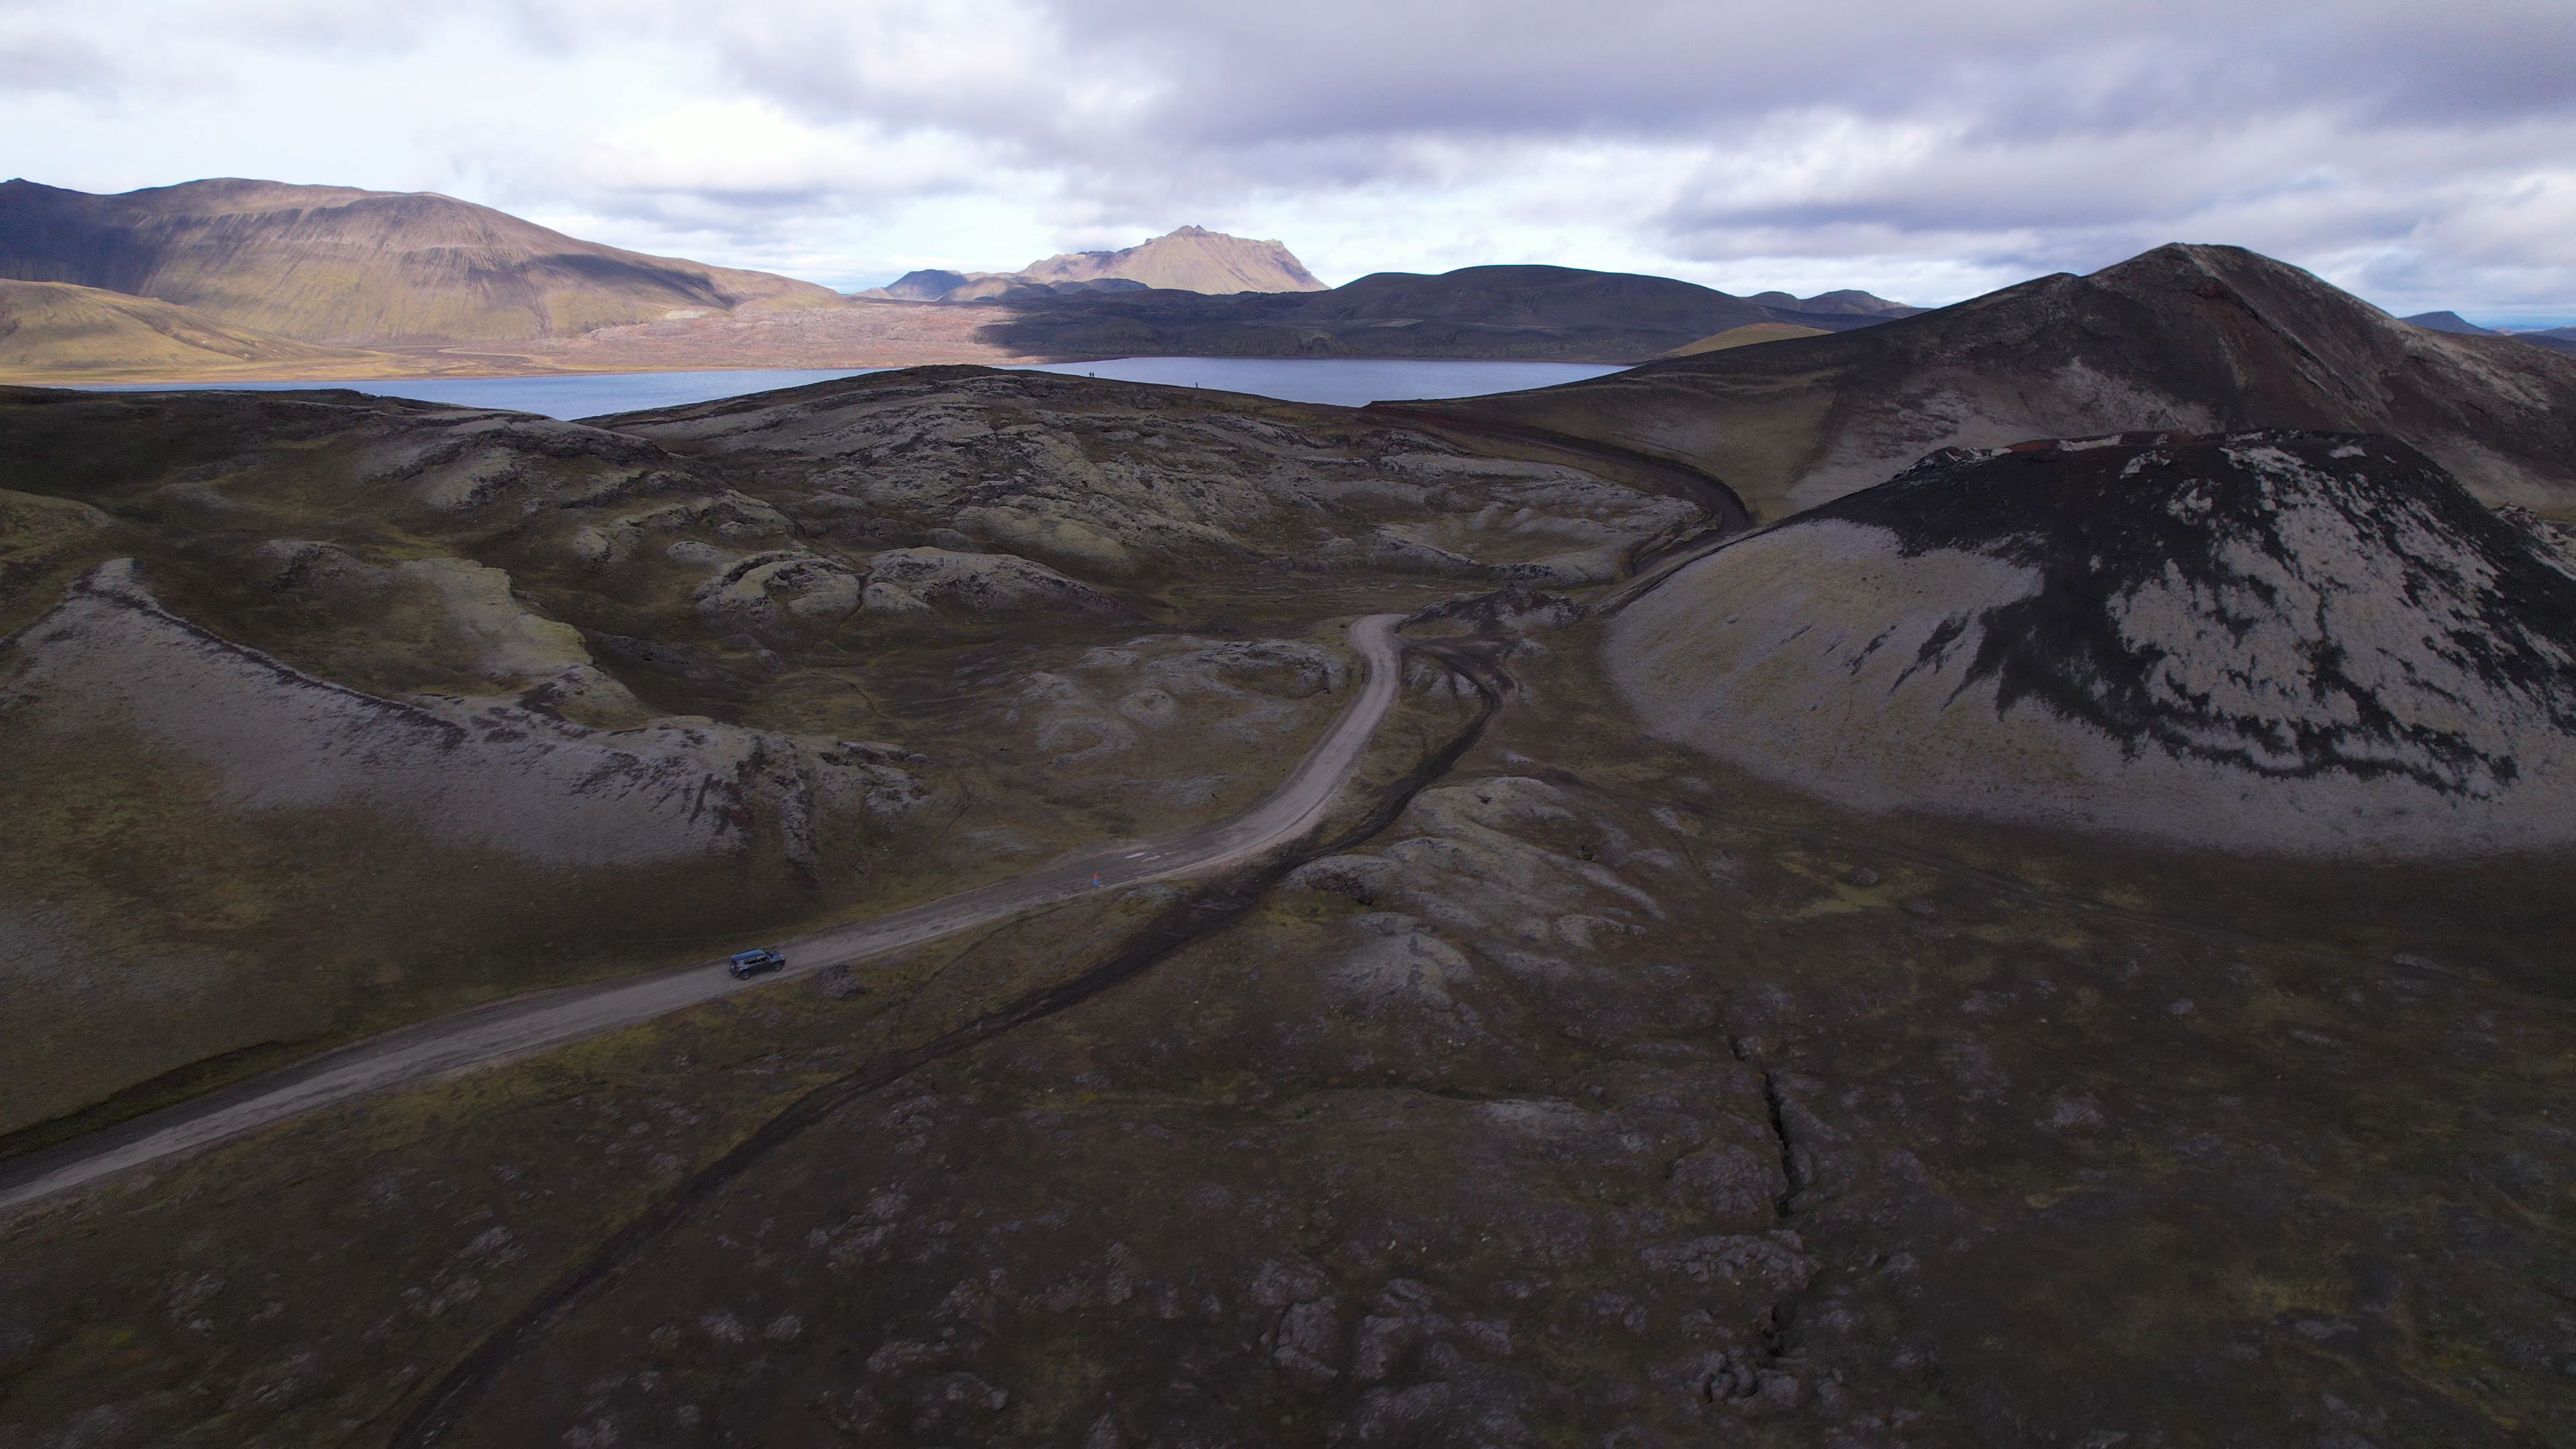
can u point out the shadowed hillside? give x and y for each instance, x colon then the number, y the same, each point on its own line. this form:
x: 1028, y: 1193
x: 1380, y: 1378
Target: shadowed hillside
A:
x: 2196, y: 338
x: 1528, y: 312
x: 339, y: 265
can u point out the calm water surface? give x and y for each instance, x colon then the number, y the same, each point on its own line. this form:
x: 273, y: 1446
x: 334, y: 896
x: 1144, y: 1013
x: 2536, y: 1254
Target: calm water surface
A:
x: 1346, y: 381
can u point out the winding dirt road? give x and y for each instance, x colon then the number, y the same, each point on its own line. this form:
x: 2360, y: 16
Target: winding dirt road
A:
x: 492, y: 1034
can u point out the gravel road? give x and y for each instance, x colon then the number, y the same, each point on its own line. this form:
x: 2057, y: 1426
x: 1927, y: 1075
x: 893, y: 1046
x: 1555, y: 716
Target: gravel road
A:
x: 484, y: 1036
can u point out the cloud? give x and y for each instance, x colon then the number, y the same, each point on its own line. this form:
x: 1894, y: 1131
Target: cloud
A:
x: 55, y: 63
x: 1924, y: 151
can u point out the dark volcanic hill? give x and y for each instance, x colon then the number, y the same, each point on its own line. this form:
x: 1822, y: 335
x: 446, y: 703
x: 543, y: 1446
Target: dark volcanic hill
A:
x: 2198, y: 338
x: 1529, y: 312
x: 2450, y: 322
x: 2556, y: 339
x: 339, y: 265
x: 2285, y: 642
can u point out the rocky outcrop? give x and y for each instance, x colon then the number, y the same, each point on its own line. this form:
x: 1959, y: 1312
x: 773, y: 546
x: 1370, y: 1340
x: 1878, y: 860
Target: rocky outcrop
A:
x: 980, y: 585
x: 2292, y: 642
x: 1108, y: 483
x: 475, y: 774
x: 789, y: 586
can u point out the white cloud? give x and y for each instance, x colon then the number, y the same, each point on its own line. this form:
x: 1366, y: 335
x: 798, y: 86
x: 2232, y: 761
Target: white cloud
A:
x: 1925, y: 152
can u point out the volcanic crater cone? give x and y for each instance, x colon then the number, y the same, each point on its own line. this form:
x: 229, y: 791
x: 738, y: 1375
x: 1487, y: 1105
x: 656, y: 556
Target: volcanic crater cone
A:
x: 2206, y: 339
x: 2295, y: 642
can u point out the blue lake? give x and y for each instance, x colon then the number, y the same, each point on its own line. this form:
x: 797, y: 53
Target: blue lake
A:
x: 1345, y: 381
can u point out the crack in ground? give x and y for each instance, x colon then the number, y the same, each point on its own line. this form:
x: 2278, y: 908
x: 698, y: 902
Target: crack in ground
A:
x: 1786, y: 1204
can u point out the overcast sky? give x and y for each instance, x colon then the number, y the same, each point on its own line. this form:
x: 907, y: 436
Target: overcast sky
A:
x: 2422, y: 154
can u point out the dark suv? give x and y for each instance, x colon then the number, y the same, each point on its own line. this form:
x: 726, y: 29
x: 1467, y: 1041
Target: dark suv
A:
x: 746, y: 964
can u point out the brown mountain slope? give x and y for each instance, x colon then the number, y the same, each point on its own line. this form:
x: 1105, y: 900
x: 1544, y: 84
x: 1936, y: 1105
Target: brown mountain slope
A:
x: 1191, y: 259
x: 55, y: 328
x: 336, y: 264
x: 2192, y: 338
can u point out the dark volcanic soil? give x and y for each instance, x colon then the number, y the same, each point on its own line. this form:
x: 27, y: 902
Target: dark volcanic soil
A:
x: 1587, y: 1090
x: 2288, y: 642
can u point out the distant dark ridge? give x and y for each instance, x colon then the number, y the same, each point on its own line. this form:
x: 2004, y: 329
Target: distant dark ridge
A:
x: 1850, y: 302
x: 927, y: 284
x: 1524, y: 312
x: 2449, y: 322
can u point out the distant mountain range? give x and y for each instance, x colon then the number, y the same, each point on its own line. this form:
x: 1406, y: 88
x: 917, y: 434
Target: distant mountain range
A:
x: 1198, y: 293
x: 2198, y: 339
x: 938, y: 285
x: 235, y: 279
x: 1846, y: 303
x: 1523, y: 312
x: 1191, y: 259
x: 2556, y: 339
x: 2449, y: 322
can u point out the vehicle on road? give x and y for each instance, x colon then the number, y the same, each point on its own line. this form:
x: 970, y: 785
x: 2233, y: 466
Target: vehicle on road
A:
x: 479, y: 1037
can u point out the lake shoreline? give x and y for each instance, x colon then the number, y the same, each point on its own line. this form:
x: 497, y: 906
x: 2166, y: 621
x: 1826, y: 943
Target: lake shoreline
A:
x: 1337, y: 382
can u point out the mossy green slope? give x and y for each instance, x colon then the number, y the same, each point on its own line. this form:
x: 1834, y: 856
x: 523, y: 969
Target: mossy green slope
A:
x: 58, y: 328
